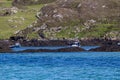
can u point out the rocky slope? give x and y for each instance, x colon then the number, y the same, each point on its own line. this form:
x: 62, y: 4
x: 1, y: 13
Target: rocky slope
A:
x: 77, y: 19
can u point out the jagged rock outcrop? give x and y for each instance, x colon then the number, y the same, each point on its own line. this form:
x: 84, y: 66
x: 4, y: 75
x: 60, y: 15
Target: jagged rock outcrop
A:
x: 4, y: 46
x: 110, y: 48
x: 77, y: 18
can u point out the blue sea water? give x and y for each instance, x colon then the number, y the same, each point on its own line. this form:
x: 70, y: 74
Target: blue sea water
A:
x: 60, y: 66
x: 52, y: 48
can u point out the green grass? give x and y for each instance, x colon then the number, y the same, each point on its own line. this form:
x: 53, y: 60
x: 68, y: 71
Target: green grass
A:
x: 7, y: 28
x: 32, y: 35
x: 5, y: 3
x: 99, y: 30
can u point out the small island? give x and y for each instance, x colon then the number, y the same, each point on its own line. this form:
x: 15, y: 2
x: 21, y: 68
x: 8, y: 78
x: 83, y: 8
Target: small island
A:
x: 59, y: 23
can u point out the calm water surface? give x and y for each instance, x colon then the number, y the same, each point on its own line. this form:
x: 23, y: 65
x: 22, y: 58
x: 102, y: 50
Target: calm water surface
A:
x: 60, y: 66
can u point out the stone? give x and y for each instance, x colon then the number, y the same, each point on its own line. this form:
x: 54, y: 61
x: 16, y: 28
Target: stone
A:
x: 4, y: 46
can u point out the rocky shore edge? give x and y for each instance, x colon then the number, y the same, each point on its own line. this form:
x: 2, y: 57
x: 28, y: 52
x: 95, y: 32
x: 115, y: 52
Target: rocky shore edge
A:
x: 68, y: 49
x: 105, y: 45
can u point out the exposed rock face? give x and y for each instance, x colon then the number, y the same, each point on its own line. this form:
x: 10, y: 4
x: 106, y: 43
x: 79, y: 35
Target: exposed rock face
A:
x: 57, y: 15
x: 82, y: 9
x: 8, y: 11
x: 112, y: 48
x: 35, y: 42
x: 76, y: 17
x: 4, y: 46
x: 30, y: 2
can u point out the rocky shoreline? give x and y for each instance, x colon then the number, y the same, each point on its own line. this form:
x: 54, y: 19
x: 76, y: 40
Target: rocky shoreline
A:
x: 111, y: 48
x: 68, y: 49
x: 105, y: 45
x: 4, y: 46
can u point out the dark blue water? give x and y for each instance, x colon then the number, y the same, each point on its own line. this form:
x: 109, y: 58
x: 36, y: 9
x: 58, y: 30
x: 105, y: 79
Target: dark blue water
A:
x: 25, y: 48
x: 60, y: 66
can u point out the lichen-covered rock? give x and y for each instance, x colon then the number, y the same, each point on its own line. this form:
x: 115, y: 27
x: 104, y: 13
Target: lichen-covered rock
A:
x: 113, y: 35
x: 56, y: 15
x: 8, y: 11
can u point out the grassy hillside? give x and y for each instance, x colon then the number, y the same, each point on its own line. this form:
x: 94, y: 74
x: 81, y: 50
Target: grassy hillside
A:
x: 70, y: 19
x: 78, y: 19
x: 10, y: 24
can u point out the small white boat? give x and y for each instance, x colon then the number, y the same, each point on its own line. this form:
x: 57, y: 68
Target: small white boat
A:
x: 17, y: 45
x: 76, y: 44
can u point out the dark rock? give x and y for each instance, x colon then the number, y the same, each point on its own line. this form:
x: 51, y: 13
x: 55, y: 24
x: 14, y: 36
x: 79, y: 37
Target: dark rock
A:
x: 112, y: 48
x: 64, y: 42
x: 98, y: 42
x: 35, y: 42
x: 4, y: 46
x: 38, y: 50
x: 16, y: 38
x: 68, y: 49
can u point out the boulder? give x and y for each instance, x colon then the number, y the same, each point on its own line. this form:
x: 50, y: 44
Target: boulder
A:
x: 4, y: 46
x: 8, y: 11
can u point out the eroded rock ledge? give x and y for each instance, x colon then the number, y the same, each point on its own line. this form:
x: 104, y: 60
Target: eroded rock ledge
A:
x: 4, y: 46
x: 106, y: 46
x: 68, y: 49
x: 112, y: 48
